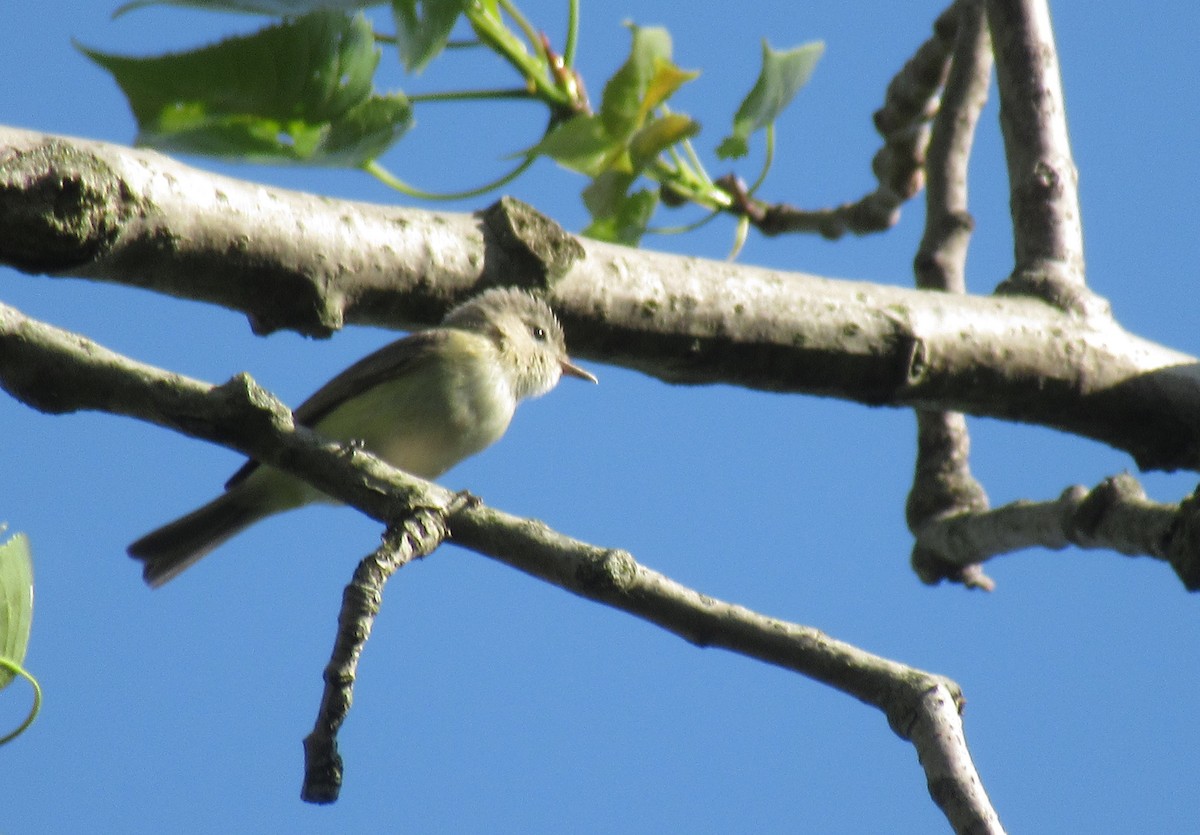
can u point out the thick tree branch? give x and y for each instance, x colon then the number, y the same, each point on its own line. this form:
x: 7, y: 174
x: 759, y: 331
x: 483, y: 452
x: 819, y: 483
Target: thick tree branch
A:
x: 942, y: 481
x: 1113, y: 516
x: 148, y: 220
x: 84, y: 375
x: 1043, y: 180
x: 288, y: 260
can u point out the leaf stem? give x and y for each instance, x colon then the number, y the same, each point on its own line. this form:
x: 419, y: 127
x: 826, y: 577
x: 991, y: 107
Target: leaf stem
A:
x: 376, y: 170
x: 16, y: 669
x: 495, y: 35
x: 697, y: 165
x: 467, y: 95
x: 571, y: 43
x: 769, y: 158
x: 527, y: 29
x: 686, y: 227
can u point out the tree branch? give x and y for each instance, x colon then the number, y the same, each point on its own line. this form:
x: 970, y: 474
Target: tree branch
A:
x: 903, y: 121
x: 84, y: 375
x: 1043, y: 180
x: 416, y: 537
x: 942, y: 481
x: 1113, y: 516
x: 100, y: 211
x: 942, y: 255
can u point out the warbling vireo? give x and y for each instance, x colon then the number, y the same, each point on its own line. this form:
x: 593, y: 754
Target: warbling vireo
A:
x: 422, y: 403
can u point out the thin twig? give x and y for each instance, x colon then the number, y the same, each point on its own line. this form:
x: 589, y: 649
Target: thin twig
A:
x: 415, y: 537
x: 922, y: 708
x: 903, y: 122
x: 942, y: 482
x: 941, y: 257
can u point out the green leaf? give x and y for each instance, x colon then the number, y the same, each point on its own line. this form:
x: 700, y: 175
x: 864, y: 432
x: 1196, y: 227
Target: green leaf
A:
x: 667, y: 78
x: 423, y: 27
x: 628, y: 222
x: 16, y: 601
x: 364, y: 132
x: 783, y: 74
x: 621, y: 106
x: 274, y: 8
x: 605, y: 195
x: 581, y: 143
x: 296, y: 92
x: 658, y: 135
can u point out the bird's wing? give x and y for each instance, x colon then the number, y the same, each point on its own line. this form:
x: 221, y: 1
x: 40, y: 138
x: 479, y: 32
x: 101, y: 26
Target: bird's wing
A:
x: 389, y: 362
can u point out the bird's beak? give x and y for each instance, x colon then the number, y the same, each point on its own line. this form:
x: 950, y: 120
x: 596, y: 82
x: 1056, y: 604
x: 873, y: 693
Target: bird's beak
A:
x: 574, y: 370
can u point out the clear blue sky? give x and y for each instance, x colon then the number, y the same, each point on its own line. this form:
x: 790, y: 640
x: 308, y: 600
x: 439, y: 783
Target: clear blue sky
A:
x: 489, y: 702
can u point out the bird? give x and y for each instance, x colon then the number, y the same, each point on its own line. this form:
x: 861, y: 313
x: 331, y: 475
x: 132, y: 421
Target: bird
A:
x: 422, y: 403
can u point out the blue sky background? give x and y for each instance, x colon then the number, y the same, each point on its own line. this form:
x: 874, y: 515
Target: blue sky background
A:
x: 489, y: 702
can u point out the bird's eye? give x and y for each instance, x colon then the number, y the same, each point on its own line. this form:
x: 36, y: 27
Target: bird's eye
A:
x: 539, y: 333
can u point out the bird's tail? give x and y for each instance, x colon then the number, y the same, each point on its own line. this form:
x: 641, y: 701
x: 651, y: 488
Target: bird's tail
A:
x: 175, y: 546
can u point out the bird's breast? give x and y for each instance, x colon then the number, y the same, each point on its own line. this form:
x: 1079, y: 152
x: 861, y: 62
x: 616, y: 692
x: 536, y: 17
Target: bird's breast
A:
x: 427, y: 420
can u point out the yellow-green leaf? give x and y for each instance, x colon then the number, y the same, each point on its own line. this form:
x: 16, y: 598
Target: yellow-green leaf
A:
x: 658, y: 135
x: 621, y: 108
x: 16, y: 601
x: 667, y: 78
